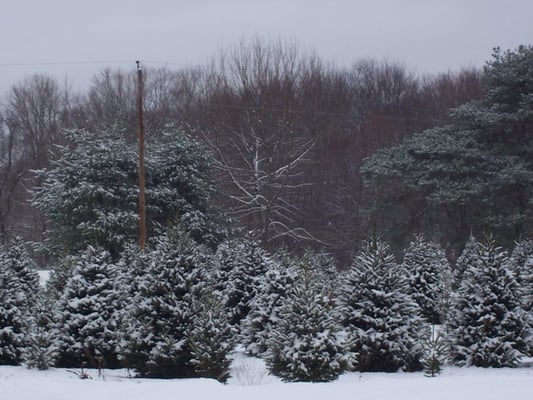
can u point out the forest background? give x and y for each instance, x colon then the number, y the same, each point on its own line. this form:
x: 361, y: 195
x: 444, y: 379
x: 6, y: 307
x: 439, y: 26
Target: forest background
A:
x: 286, y: 136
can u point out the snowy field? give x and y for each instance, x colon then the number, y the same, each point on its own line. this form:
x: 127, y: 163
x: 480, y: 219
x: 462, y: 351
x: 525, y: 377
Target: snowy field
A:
x: 250, y: 381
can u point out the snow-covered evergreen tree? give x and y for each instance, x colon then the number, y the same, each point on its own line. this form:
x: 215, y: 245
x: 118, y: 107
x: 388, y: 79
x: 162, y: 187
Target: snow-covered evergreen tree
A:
x: 467, y: 257
x: 40, y: 351
x: 264, y: 307
x: 19, y: 285
x: 154, y: 338
x: 88, y: 312
x: 521, y: 262
x: 241, y: 265
x: 375, y: 307
x: 487, y: 324
x: 90, y: 195
x: 180, y: 191
x: 60, y: 273
x: 436, y: 351
x: 323, y: 265
x: 211, y: 338
x: 306, y: 343
x: 427, y: 267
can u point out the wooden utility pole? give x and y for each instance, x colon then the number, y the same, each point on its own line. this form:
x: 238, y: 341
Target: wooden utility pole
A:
x: 142, y: 198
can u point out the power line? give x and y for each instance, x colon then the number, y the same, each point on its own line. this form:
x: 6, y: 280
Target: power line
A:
x: 85, y: 62
x: 45, y: 63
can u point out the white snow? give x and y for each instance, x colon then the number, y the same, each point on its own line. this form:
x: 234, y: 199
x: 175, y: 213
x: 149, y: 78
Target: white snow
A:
x: 44, y: 275
x: 251, y: 381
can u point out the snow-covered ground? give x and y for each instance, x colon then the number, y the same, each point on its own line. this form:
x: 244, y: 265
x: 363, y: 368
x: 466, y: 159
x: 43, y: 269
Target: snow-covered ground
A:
x: 250, y: 381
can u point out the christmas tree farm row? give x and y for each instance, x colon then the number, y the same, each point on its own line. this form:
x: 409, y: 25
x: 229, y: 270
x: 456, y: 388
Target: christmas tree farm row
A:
x: 178, y: 309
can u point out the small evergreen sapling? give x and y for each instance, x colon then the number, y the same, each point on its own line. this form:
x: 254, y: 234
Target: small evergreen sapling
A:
x: 435, y: 351
x: 40, y: 352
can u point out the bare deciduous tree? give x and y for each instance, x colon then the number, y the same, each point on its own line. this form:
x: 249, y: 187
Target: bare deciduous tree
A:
x: 35, y: 115
x: 252, y: 121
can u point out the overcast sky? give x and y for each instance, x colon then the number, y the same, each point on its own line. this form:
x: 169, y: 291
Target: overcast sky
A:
x: 75, y: 39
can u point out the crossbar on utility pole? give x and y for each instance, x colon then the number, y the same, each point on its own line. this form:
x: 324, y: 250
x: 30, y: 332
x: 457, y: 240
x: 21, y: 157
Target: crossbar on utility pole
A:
x: 142, y: 198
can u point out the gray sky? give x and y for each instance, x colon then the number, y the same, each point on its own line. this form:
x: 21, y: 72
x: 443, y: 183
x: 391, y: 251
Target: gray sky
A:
x: 75, y: 39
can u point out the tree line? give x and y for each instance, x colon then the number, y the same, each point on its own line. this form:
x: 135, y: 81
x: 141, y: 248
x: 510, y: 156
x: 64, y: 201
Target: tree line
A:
x: 178, y: 309
x: 286, y: 131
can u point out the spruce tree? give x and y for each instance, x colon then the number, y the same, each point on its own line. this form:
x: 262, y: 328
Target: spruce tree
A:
x: 154, y: 335
x: 521, y: 262
x: 241, y: 265
x: 436, y: 351
x: 264, y: 307
x: 381, y: 317
x: 467, y: 257
x: 426, y: 266
x: 60, y: 273
x: 487, y: 324
x: 40, y: 351
x: 19, y: 285
x: 88, y: 313
x: 211, y: 338
x: 306, y: 343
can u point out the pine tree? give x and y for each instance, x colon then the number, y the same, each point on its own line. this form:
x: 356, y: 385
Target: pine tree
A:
x: 306, y: 343
x: 374, y: 306
x: 475, y: 173
x: 90, y: 195
x: 87, y: 313
x: 426, y: 266
x: 19, y: 285
x: 487, y: 323
x: 154, y: 338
